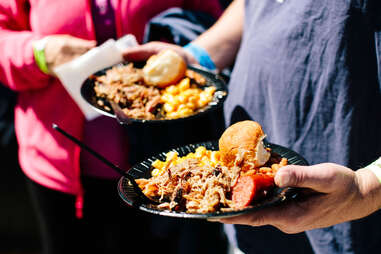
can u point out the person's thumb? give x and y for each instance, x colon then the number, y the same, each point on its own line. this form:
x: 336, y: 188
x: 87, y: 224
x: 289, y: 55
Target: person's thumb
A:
x: 316, y: 177
x: 81, y: 43
x: 80, y: 46
x: 140, y: 52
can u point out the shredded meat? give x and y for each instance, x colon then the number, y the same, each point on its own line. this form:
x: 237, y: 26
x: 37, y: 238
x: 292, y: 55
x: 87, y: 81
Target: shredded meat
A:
x: 124, y: 85
x: 199, y: 183
x: 189, y: 187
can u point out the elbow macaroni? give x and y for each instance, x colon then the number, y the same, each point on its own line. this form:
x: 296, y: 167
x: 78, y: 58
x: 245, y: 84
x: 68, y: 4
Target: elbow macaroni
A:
x: 183, y: 99
x: 205, y: 156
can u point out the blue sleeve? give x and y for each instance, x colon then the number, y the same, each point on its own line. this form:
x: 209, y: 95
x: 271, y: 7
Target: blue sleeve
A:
x: 378, y: 52
x: 376, y: 20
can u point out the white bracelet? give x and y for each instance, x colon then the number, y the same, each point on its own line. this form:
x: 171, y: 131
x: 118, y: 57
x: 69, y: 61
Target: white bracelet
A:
x: 375, y: 167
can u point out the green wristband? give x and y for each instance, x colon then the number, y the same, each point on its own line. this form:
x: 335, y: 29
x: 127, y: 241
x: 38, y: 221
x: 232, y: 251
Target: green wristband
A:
x: 39, y: 55
x: 375, y: 167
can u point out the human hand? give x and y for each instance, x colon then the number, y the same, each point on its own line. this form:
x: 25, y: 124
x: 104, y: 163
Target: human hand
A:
x: 60, y: 49
x: 144, y: 51
x: 332, y: 194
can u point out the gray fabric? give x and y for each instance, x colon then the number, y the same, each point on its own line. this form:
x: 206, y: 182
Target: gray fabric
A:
x: 309, y: 71
x: 177, y: 26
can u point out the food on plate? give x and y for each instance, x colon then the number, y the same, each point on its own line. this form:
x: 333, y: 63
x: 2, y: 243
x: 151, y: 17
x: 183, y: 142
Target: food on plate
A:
x: 242, y: 143
x: 164, y: 69
x: 249, y: 188
x: 183, y: 99
x: 141, y: 93
x: 204, y: 182
x: 125, y: 86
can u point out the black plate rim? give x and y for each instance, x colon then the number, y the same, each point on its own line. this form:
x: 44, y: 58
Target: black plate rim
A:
x: 283, y: 194
x: 212, y: 79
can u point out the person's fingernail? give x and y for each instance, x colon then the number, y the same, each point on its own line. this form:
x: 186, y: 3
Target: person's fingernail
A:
x: 213, y: 220
x: 284, y: 179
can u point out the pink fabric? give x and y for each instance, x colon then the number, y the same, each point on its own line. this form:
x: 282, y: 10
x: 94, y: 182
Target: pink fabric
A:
x: 46, y: 156
x: 110, y: 142
x: 103, y: 14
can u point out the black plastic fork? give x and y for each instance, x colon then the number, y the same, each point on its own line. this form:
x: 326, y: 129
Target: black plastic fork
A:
x: 119, y: 114
x: 122, y: 172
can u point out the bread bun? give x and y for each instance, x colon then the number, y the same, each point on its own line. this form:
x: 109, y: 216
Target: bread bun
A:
x: 242, y: 144
x: 164, y: 69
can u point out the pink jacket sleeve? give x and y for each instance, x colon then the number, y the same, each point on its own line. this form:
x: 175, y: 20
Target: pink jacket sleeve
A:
x: 18, y: 69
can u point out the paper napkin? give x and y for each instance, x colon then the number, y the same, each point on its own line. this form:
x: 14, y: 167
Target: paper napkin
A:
x: 74, y: 73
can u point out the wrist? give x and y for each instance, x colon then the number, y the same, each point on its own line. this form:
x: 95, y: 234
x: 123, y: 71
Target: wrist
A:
x: 370, y: 188
x: 200, y: 55
x: 375, y: 168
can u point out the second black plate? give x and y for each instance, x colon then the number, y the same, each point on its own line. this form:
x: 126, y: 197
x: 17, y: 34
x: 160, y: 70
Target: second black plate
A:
x: 88, y: 93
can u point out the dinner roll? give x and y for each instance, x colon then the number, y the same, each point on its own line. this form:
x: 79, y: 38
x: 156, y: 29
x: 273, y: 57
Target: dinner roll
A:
x: 242, y: 144
x: 164, y: 69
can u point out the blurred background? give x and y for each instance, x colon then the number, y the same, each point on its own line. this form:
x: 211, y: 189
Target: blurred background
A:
x: 18, y: 227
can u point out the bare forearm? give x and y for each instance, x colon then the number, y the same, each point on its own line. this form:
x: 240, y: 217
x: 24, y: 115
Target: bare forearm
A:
x: 340, y: 194
x: 222, y: 40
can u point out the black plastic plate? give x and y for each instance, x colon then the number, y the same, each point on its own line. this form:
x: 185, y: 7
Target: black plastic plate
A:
x: 142, y: 170
x: 88, y: 93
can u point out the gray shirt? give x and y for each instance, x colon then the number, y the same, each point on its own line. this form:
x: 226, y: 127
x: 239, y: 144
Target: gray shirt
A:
x: 308, y: 72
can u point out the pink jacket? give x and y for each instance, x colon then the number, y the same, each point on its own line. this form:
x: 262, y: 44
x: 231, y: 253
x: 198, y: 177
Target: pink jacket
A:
x: 45, y: 155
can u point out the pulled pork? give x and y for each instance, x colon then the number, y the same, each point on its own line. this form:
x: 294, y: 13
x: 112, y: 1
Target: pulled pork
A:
x: 189, y: 187
x: 125, y: 86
